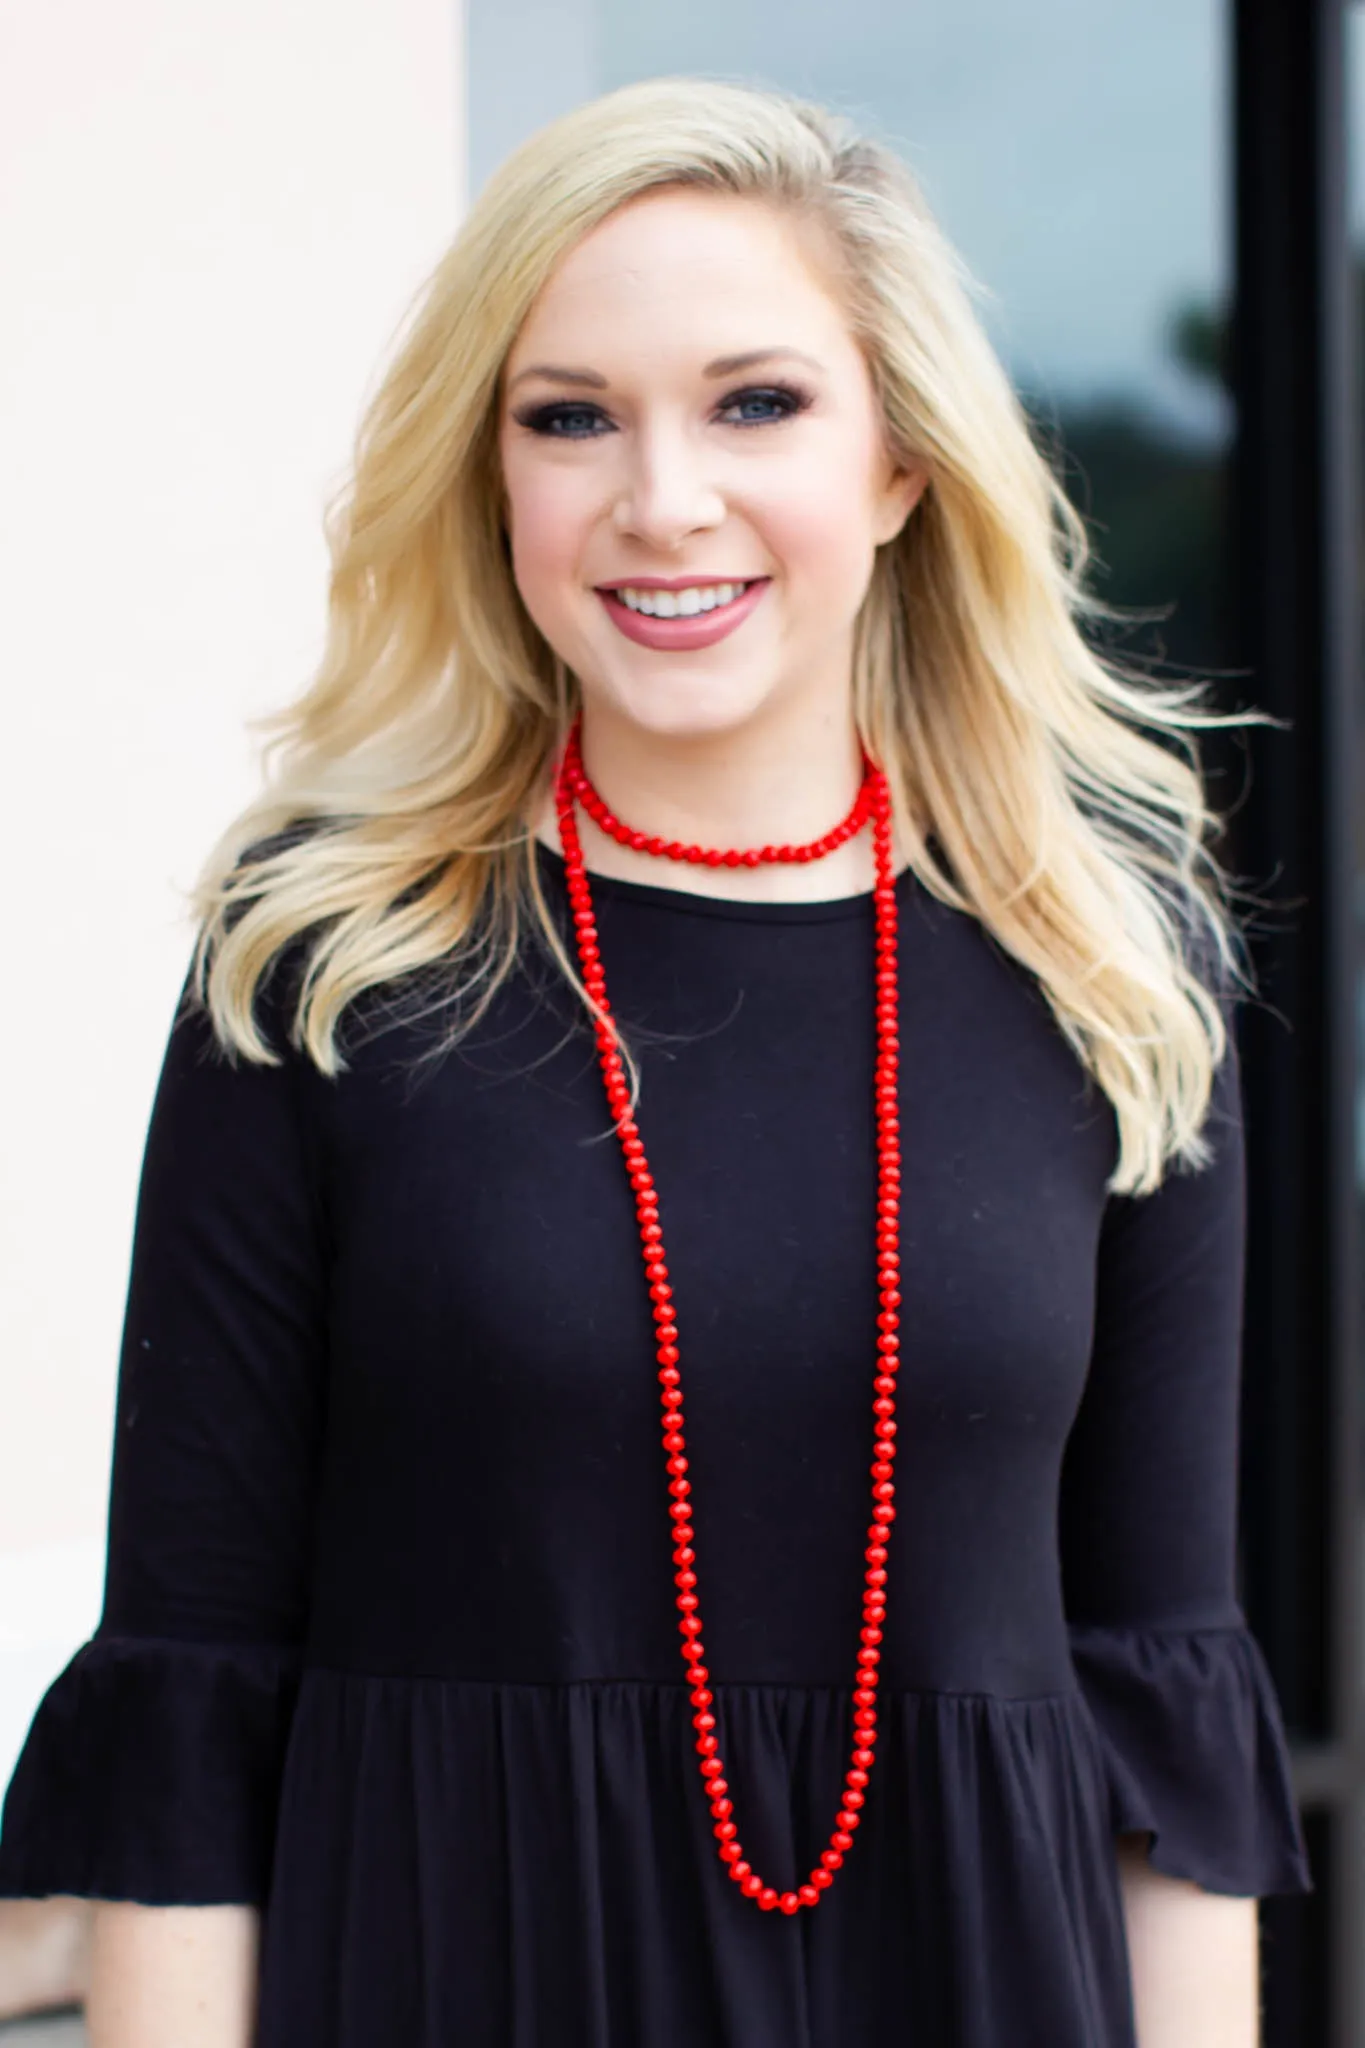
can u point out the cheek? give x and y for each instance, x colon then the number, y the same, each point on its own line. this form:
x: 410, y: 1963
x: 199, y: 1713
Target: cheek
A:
x: 549, y: 518
x: 818, y: 521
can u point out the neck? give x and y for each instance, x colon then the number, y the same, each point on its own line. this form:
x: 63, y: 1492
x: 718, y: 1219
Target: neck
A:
x: 751, y: 787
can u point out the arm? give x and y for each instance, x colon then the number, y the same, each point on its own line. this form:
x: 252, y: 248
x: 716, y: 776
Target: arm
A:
x: 150, y: 1778
x: 44, y: 1954
x: 1193, y: 1956
x: 1189, y: 1723
x: 172, y: 1976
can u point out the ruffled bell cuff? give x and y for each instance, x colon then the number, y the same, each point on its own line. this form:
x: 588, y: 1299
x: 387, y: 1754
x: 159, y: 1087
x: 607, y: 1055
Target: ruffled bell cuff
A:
x: 151, y: 1772
x: 1191, y: 1731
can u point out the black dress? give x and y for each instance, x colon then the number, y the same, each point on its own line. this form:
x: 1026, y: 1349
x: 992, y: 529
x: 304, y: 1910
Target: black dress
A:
x: 388, y: 1644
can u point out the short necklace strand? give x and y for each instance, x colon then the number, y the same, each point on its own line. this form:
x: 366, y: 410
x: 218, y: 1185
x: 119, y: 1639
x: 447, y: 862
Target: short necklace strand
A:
x: 712, y: 857
x: 874, y: 799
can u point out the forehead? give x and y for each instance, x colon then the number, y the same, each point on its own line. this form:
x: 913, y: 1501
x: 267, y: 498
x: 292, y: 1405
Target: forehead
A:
x: 703, y: 270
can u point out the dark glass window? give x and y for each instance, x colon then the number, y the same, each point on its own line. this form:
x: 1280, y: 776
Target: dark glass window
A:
x: 1353, y: 1821
x: 1355, y: 72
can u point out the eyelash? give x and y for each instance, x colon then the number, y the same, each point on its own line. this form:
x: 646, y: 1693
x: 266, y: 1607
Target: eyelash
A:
x: 542, y: 419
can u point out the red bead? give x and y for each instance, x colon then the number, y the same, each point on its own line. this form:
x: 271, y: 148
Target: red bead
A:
x: 873, y: 802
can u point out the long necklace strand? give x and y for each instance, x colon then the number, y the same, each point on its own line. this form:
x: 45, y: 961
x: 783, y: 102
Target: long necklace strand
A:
x: 874, y: 801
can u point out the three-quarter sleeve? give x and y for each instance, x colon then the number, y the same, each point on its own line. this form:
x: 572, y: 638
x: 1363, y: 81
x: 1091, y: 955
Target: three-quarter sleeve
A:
x: 1184, y: 1705
x: 152, y: 1765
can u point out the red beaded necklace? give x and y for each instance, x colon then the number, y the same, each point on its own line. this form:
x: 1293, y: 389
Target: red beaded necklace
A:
x: 873, y: 801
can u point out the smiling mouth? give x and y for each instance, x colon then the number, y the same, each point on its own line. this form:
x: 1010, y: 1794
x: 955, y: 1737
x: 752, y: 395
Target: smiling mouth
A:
x: 689, y: 603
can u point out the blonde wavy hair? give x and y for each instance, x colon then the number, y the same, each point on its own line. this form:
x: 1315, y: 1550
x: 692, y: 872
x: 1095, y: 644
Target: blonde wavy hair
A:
x: 395, y: 826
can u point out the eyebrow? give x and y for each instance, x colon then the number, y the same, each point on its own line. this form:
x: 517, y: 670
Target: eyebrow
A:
x: 723, y: 366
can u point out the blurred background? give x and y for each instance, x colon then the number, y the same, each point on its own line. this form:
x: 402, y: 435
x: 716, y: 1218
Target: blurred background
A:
x: 214, y: 220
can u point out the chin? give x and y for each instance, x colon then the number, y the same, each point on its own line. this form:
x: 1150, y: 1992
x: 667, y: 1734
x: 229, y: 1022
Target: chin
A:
x: 681, y: 706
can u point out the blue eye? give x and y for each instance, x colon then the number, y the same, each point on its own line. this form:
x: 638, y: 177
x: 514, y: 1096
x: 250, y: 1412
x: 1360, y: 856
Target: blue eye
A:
x: 567, y: 420
x: 761, y: 404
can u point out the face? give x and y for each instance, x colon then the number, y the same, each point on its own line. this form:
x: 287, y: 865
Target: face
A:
x: 695, y: 470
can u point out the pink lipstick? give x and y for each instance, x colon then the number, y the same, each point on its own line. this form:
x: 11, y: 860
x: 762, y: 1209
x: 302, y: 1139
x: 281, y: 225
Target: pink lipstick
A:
x: 681, y: 635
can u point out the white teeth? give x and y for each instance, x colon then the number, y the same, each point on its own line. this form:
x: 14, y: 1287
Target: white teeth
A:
x: 681, y: 604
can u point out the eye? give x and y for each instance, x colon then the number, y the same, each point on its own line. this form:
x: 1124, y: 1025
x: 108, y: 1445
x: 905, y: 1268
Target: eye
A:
x: 764, y: 403
x: 565, y: 420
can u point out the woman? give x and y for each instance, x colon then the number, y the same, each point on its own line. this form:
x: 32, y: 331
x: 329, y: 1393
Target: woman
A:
x: 712, y: 924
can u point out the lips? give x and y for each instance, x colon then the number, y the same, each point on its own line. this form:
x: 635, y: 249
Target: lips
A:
x: 686, y: 632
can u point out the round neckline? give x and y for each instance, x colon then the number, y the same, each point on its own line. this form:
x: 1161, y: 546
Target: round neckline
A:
x: 813, y: 910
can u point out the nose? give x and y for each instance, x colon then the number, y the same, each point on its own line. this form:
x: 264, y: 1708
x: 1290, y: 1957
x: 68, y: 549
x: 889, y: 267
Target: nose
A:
x: 666, y: 494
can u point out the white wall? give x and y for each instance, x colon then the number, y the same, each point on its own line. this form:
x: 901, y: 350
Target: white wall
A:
x: 213, y: 217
